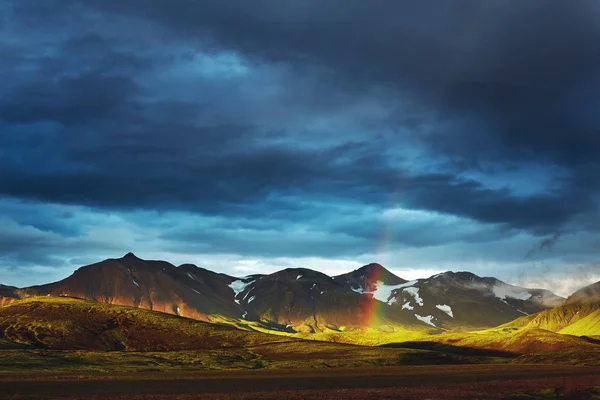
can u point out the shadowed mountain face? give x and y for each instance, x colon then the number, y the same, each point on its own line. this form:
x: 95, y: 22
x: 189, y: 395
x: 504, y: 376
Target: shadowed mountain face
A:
x: 298, y: 299
x: 579, y: 315
x: 301, y: 298
x: 155, y: 285
x: 7, y: 294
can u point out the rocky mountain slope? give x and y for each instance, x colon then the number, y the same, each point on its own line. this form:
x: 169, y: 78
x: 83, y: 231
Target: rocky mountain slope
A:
x: 155, y: 285
x: 458, y: 299
x: 299, y: 299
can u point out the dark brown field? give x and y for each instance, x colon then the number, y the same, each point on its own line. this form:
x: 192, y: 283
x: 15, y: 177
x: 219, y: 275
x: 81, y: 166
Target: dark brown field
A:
x: 406, y: 382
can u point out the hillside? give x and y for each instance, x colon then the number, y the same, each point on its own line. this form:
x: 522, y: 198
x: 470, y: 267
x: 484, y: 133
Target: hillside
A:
x: 67, y: 334
x: 69, y: 323
x: 30, y: 327
x: 516, y: 341
x: 579, y: 315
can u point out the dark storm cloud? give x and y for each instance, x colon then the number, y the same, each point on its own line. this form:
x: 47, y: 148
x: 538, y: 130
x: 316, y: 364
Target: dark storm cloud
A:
x: 70, y: 100
x: 528, y: 71
x: 259, y: 109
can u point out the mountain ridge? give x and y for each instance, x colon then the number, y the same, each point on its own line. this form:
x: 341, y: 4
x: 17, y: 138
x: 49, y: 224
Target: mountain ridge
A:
x: 299, y: 299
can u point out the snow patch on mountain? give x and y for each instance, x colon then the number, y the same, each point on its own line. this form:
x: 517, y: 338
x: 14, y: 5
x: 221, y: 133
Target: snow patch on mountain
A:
x: 407, y: 306
x: 383, y: 292
x: 238, y: 286
x: 414, y: 292
x: 427, y: 319
x: 446, y: 309
x: 298, y: 277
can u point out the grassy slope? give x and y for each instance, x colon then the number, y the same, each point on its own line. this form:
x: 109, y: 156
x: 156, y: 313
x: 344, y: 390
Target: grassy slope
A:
x: 67, y: 334
x: 68, y: 323
x: 586, y: 326
x: 520, y: 341
x: 523, y: 339
x: 570, y: 319
x: 150, y: 340
x: 505, y: 339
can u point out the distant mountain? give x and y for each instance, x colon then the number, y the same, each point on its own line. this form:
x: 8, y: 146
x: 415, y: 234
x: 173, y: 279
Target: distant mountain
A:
x: 579, y: 315
x: 155, y: 285
x: 299, y: 299
x: 459, y: 299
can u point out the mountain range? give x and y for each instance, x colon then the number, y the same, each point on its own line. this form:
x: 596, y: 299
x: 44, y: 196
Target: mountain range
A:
x: 304, y: 300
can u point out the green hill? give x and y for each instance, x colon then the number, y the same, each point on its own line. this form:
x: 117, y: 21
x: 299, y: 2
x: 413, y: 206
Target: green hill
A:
x: 589, y: 325
x: 579, y: 316
x: 69, y: 323
x: 50, y: 334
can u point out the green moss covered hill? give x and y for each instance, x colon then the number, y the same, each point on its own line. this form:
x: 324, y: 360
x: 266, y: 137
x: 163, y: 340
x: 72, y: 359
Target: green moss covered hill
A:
x: 69, y: 323
x: 578, y: 316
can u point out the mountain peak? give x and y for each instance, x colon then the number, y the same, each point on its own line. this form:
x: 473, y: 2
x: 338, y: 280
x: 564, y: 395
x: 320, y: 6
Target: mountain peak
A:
x: 368, y: 275
x: 372, y: 266
x: 131, y: 255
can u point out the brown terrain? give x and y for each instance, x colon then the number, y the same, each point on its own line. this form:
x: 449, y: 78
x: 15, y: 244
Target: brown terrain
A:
x: 414, y: 382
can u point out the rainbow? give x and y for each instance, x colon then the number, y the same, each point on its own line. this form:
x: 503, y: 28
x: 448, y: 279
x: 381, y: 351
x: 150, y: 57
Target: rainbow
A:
x: 372, y: 310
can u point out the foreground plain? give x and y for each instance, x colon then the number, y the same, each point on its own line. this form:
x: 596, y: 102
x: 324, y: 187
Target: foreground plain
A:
x: 403, y: 382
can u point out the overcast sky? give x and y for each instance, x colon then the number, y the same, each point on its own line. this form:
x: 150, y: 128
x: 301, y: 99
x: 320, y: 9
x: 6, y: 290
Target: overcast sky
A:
x: 250, y: 136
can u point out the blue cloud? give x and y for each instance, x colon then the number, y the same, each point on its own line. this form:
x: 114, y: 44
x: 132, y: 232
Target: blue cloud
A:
x: 270, y: 132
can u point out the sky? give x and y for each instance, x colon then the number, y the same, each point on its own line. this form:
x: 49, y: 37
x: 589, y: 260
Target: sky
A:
x: 247, y: 137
